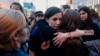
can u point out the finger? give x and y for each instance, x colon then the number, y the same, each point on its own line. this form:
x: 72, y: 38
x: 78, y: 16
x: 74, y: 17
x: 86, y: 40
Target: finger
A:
x: 59, y: 45
x: 54, y: 38
x: 55, y: 41
x: 56, y: 33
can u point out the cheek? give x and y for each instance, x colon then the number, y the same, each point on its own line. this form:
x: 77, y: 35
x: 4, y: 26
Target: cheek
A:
x: 51, y: 23
x: 86, y: 16
x: 24, y: 37
x: 13, y: 7
x: 83, y: 16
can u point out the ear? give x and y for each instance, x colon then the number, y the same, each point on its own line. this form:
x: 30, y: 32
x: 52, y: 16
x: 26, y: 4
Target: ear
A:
x: 46, y: 20
x: 15, y: 37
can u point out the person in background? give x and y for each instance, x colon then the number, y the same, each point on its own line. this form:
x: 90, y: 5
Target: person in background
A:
x: 65, y: 7
x: 12, y: 32
x: 17, y: 6
x: 87, y: 24
x: 39, y: 15
x: 95, y: 17
x: 31, y: 19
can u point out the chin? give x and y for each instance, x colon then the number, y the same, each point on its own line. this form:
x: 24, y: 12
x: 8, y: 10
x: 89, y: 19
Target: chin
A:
x: 55, y: 28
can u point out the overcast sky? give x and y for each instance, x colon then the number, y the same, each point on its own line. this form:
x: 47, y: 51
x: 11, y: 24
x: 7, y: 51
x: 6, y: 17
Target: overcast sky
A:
x: 43, y: 4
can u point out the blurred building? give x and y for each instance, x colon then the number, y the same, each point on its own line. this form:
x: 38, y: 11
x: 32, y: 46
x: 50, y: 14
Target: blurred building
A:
x: 90, y: 3
x: 70, y: 2
x: 28, y: 6
x: 94, y: 4
x: 75, y: 4
x: 6, y: 3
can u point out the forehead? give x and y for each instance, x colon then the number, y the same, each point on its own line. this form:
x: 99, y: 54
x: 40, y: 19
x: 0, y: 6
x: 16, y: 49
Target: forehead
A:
x: 57, y: 15
x: 82, y: 12
x: 15, y: 6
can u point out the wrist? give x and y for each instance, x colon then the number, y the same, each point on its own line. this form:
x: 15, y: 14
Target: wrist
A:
x: 80, y: 32
x: 69, y: 34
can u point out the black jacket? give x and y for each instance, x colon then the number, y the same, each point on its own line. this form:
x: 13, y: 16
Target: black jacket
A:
x: 88, y: 26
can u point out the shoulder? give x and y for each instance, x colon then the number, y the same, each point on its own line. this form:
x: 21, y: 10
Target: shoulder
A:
x: 35, y: 30
x: 95, y: 25
x: 19, y: 52
x: 96, y: 28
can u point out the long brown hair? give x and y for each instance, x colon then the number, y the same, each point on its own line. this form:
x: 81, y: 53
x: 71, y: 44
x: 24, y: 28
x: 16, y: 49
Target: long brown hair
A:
x: 70, y: 22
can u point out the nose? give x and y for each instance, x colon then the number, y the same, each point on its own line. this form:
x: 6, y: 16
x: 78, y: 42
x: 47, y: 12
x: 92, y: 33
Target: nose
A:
x: 58, y: 22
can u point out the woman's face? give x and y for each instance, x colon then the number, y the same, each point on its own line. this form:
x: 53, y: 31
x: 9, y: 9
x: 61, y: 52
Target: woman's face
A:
x: 55, y: 20
x: 83, y: 14
x: 15, y: 7
x: 24, y: 35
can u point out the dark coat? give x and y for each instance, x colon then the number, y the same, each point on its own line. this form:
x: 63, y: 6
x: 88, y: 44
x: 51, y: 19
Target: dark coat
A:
x: 17, y: 52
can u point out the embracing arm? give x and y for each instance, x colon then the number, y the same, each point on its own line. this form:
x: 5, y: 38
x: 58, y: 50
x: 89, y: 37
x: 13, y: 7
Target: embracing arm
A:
x: 45, y: 29
x: 79, y: 33
x: 62, y: 37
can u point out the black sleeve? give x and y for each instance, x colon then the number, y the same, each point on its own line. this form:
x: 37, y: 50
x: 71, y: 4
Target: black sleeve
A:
x: 96, y: 32
x: 92, y: 37
x: 33, y: 43
x: 46, y: 29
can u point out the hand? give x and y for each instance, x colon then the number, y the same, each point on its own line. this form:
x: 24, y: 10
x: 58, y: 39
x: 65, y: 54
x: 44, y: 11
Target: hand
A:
x: 31, y: 53
x: 60, y: 38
